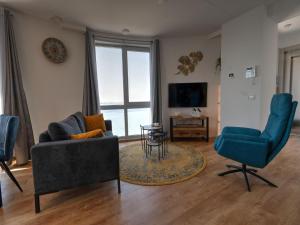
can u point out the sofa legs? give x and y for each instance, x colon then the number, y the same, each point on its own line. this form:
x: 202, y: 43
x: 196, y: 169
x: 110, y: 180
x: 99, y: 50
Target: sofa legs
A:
x: 37, y: 203
x: 119, y: 185
x: 37, y: 198
x: 245, y: 171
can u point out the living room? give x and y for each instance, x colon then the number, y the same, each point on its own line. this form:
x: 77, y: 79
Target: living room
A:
x: 126, y: 112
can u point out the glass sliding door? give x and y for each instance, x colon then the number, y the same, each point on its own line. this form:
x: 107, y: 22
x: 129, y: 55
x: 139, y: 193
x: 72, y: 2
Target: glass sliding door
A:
x: 138, y: 76
x: 124, y: 87
x: 110, y: 72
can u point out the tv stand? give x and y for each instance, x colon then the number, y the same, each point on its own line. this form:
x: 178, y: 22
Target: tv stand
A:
x: 189, y: 127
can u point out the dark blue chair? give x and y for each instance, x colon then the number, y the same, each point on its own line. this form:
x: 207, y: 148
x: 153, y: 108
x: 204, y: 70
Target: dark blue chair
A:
x: 8, y: 134
x: 254, y: 148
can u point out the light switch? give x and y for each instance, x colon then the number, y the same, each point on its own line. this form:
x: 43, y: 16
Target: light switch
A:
x: 250, y: 72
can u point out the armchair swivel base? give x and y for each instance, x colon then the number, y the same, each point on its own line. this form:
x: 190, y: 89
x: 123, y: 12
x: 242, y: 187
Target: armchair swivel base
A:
x: 243, y: 169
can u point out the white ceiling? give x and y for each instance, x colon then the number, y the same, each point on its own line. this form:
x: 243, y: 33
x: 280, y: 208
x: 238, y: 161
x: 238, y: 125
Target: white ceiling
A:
x: 289, y: 26
x: 141, y: 17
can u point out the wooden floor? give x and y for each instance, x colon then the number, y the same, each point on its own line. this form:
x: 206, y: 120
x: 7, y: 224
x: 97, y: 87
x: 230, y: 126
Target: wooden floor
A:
x: 205, y: 199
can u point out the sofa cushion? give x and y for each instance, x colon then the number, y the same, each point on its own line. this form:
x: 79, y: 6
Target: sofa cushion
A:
x: 108, y: 125
x: 62, y: 130
x: 80, y: 119
x: 108, y: 133
x: 90, y: 134
x: 94, y: 122
x: 44, y: 137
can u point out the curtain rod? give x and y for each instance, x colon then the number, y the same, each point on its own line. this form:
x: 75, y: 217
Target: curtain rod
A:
x: 118, y: 37
x: 11, y: 10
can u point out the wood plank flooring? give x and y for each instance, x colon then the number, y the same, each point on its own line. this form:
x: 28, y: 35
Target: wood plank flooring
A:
x: 205, y: 199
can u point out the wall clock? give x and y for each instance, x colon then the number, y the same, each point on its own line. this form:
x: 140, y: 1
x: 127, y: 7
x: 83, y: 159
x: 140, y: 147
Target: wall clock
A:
x: 54, y: 50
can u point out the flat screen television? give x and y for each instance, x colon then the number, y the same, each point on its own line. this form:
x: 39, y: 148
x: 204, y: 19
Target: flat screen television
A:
x: 187, y: 95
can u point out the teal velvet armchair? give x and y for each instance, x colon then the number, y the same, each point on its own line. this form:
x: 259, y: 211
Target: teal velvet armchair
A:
x: 254, y: 148
x: 9, y: 126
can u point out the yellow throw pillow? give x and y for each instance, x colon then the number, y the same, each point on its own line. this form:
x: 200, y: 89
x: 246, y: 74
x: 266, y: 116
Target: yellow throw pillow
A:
x: 90, y: 134
x: 94, y: 122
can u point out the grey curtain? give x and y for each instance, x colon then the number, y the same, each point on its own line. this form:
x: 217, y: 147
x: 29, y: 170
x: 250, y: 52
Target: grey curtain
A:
x: 90, y: 90
x: 15, y: 102
x: 2, y: 59
x: 155, y: 83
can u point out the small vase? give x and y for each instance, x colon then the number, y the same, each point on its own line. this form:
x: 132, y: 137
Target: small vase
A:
x: 196, y: 112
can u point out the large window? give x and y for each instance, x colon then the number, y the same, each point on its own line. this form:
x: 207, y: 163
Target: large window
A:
x: 124, y: 87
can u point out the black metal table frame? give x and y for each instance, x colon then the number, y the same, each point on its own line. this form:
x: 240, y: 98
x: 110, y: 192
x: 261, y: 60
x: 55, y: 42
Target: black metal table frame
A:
x: 155, y: 137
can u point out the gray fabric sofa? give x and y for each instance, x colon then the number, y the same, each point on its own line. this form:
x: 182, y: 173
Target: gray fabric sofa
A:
x: 59, y: 163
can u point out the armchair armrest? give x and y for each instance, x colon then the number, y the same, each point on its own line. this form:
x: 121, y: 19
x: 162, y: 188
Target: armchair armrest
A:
x: 241, y: 130
x: 244, y: 137
x: 245, y: 149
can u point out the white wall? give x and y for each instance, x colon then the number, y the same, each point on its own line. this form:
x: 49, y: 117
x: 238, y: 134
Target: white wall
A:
x: 289, y: 39
x: 171, y: 50
x: 53, y: 91
x: 269, y: 66
x: 248, y: 40
x: 296, y: 83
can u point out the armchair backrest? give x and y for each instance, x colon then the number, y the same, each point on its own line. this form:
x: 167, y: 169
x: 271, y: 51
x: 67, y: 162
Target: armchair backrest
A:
x: 280, y: 110
x: 279, y: 125
x: 286, y: 134
x: 8, y: 134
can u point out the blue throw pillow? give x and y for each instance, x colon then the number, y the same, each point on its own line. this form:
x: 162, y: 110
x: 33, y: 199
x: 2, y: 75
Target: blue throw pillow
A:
x: 62, y: 130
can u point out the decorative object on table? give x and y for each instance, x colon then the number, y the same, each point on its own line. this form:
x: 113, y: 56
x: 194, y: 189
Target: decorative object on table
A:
x: 54, y: 50
x: 254, y: 148
x: 196, y: 112
x: 176, y: 113
x: 188, y: 63
x: 8, y: 135
x: 189, y: 127
x: 181, y: 164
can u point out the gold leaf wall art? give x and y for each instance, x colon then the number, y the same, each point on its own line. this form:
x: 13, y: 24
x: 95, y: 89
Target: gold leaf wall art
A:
x: 188, y: 63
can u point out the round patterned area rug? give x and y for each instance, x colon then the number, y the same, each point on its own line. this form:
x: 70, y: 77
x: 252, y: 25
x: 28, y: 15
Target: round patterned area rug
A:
x: 180, y: 164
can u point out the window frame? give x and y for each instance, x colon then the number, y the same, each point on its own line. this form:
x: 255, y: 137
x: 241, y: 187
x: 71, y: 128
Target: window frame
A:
x: 127, y: 104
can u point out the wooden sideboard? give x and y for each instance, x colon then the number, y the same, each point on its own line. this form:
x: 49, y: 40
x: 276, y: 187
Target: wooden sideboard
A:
x: 189, y: 127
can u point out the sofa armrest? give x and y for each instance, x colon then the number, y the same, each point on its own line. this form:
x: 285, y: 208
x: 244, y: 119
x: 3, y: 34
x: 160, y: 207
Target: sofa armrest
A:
x: 65, y: 164
x: 108, y: 125
x: 241, y: 130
